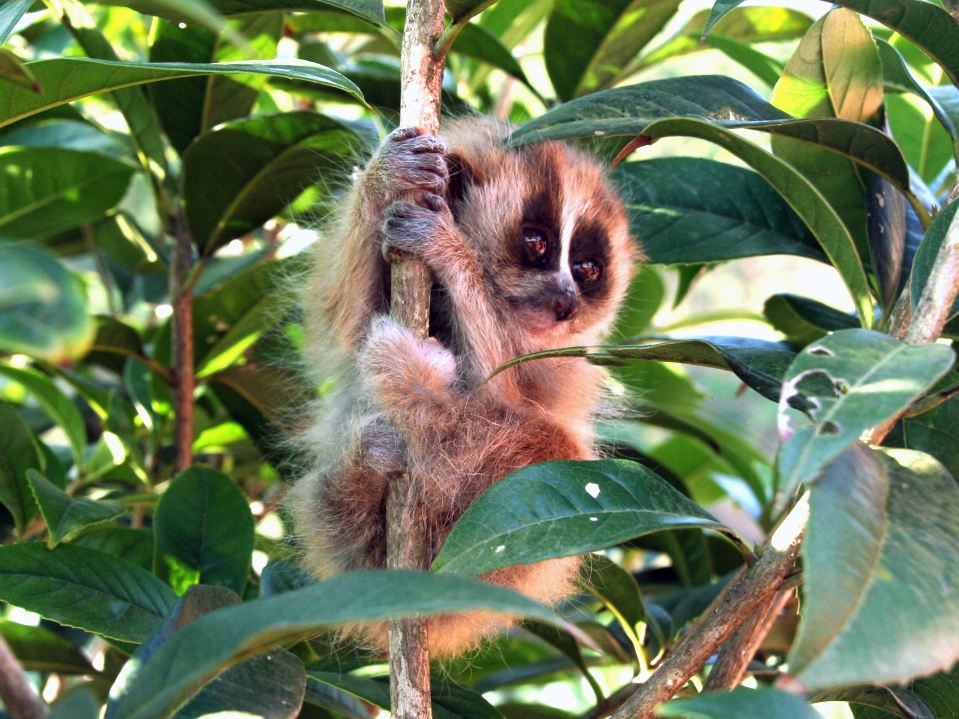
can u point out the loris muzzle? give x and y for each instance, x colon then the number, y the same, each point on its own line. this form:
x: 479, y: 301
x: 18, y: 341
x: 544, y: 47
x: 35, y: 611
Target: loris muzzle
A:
x: 530, y: 250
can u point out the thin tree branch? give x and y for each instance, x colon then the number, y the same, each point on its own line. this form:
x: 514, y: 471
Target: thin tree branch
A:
x: 730, y: 667
x: 184, y: 379
x: 18, y: 694
x: 740, y: 597
x: 406, y: 537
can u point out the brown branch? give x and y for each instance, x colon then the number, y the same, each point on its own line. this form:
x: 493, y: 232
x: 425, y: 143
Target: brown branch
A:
x: 740, y: 597
x: 18, y: 694
x: 730, y: 667
x: 184, y: 379
x: 406, y: 538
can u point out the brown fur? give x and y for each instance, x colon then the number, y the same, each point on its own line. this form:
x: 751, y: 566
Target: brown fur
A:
x: 402, y: 404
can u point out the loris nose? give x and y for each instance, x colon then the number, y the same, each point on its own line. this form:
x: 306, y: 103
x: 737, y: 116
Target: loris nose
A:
x: 565, y: 306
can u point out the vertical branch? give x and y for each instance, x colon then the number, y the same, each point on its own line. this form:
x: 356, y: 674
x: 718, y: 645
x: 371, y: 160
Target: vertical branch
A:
x: 184, y: 380
x: 406, y: 539
x: 18, y: 694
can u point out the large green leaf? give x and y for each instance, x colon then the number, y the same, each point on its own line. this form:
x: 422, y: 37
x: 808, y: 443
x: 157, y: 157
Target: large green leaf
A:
x: 886, y: 700
x: 804, y: 320
x: 897, y: 75
x: 67, y: 79
x: 42, y: 311
x: 198, y: 651
x: 67, y: 516
x: 759, y: 364
x: 40, y: 650
x: 19, y: 453
x: 689, y: 210
x: 60, y: 409
x: 802, y: 196
x: 136, y: 546
x: 204, y: 520
x: 84, y: 588
x: 241, y: 174
x: 561, y: 508
x: 871, y: 376
x: 924, y: 23
x: 45, y: 190
x: 740, y: 703
x: 927, y: 253
x: 10, y: 14
x: 880, y: 600
x: 179, y: 10
x: 609, y: 33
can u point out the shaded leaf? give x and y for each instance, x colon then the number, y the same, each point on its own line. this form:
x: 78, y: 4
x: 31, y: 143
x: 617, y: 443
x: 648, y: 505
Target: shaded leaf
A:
x: 617, y: 589
x: 68, y: 516
x: 133, y: 545
x: 804, y: 320
x: 115, y: 342
x: 19, y: 453
x: 84, y: 588
x: 894, y: 700
x: 927, y: 253
x: 193, y: 655
x: 871, y: 376
x: 10, y: 14
x: 886, y: 228
x: 80, y: 703
x: 40, y: 650
x: 204, y: 520
x: 740, y: 703
x: 873, y: 613
x: 370, y: 10
x: 282, y: 575
x: 562, y: 508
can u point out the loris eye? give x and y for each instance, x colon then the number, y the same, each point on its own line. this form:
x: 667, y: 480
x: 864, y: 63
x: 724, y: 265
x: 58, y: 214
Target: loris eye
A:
x: 535, y: 246
x: 587, y: 272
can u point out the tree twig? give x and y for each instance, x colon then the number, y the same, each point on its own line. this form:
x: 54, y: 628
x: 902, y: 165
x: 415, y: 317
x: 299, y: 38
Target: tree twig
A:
x: 184, y: 378
x: 406, y: 538
x: 740, y: 597
x: 730, y: 667
x: 18, y: 694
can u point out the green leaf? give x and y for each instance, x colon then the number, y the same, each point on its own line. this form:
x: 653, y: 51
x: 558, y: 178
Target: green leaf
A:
x: 476, y: 42
x: 241, y: 174
x: 691, y: 210
x: 564, y: 643
x: 79, y: 703
x: 10, y: 14
x: 745, y: 25
x: 924, y: 23
x: 370, y: 10
x: 927, y: 253
x: 609, y: 33
x: 114, y: 343
x: 132, y: 545
x: 617, y: 589
x: 759, y: 64
x: 562, y: 508
x: 873, y: 613
x: 871, y: 376
x: 740, y: 703
x: 893, y: 700
x: 67, y: 516
x: 60, y: 409
x: 196, y: 653
x: 83, y: 588
x: 802, y: 196
x: 67, y: 79
x: 46, y: 190
x: 804, y: 320
x: 758, y: 363
x: 19, y: 453
x: 461, y: 10
x: 40, y: 650
x: 282, y: 575
x: 204, y: 520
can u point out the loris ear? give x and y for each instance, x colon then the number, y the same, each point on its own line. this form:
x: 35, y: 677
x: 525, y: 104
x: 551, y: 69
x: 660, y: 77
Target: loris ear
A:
x: 464, y: 175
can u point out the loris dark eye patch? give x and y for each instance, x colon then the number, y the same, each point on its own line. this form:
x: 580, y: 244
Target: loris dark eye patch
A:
x: 535, y: 247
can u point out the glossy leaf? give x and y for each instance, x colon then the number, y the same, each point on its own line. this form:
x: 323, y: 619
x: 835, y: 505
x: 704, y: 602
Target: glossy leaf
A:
x: 804, y: 198
x: 371, y: 10
x: 758, y: 363
x: 83, y: 588
x: 68, y: 516
x: 243, y: 173
x: 873, y: 614
x: 871, y: 376
x: 60, y: 409
x: 204, y: 520
x: 562, y: 508
x: 691, y: 210
x: 127, y: 543
x: 927, y: 253
x: 67, y: 79
x: 740, y: 703
x: 194, y: 654
x: 45, y: 190
x: 10, y: 14
x: 40, y: 650
x: 609, y: 33
x: 804, y: 320
x: 19, y: 453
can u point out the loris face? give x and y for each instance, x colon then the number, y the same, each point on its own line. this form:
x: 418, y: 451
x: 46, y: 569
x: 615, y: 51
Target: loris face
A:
x: 562, y: 256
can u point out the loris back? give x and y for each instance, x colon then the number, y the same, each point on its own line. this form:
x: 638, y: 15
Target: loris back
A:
x: 531, y: 251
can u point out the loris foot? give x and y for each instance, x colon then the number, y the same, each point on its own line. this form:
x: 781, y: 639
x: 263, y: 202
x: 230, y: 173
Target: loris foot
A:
x: 410, y: 162
x: 414, y: 229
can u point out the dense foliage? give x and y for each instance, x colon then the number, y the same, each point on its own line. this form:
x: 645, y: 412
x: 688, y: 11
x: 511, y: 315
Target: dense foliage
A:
x: 127, y: 128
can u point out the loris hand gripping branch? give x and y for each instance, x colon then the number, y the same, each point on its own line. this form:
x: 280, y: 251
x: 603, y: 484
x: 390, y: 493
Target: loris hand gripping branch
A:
x: 530, y: 250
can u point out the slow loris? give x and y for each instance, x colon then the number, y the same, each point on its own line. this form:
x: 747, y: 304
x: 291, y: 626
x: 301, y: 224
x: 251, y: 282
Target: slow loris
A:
x: 530, y: 250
